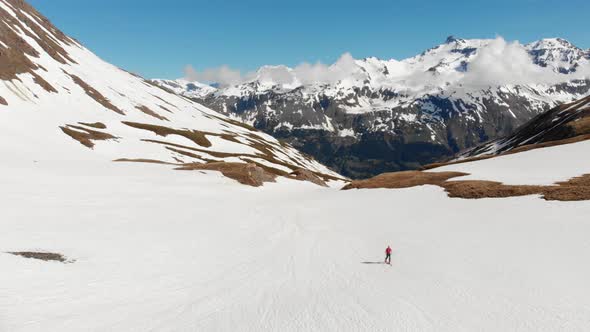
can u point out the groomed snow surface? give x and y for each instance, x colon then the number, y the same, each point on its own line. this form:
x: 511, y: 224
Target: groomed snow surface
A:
x: 163, y: 250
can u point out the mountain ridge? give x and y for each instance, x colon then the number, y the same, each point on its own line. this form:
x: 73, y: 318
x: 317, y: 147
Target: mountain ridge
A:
x: 368, y: 116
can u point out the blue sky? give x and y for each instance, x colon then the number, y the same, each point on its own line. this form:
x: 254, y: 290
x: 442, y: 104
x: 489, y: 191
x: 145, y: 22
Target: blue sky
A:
x: 157, y: 39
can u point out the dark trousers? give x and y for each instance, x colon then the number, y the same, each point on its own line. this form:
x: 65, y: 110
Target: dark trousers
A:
x: 387, y: 258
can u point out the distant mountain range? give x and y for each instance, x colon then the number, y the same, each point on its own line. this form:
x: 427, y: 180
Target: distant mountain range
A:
x: 362, y: 117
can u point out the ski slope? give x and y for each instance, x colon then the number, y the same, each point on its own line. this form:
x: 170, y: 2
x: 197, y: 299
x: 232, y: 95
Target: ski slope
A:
x: 161, y: 250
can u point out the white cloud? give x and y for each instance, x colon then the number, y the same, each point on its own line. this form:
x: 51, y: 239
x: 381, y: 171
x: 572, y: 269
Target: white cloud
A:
x: 502, y: 62
x: 304, y: 73
x: 345, y: 67
x: 223, y: 75
x: 496, y: 63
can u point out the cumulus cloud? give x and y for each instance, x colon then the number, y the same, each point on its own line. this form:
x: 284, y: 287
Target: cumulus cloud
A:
x: 304, y: 73
x: 502, y: 62
x: 497, y: 63
x: 223, y: 75
x: 344, y: 67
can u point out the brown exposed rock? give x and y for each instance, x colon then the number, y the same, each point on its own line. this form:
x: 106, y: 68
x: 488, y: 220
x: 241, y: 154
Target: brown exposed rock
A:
x: 3, y: 101
x: 194, y: 135
x: 149, y: 112
x: 248, y: 174
x: 85, y: 136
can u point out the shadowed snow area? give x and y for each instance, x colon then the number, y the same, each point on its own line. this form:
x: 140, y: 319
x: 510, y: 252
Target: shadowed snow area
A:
x: 174, y: 251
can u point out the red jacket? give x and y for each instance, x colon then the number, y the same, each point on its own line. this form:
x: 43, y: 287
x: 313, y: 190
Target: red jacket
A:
x: 388, y: 250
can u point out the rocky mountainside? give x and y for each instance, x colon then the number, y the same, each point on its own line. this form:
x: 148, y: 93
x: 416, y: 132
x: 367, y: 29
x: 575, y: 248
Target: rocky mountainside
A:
x: 61, y: 102
x: 563, y: 124
x: 364, y: 117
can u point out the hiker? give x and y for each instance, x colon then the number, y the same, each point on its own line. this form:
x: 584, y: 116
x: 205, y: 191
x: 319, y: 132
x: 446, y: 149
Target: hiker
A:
x: 388, y: 255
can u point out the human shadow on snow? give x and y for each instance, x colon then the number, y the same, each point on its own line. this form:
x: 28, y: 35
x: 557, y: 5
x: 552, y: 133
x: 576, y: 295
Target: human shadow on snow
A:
x: 373, y: 263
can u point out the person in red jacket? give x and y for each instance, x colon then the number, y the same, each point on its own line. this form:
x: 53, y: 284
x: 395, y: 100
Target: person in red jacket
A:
x: 388, y: 255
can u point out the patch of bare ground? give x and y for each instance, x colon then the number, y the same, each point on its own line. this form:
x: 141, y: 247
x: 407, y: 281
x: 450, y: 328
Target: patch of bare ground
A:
x: 306, y: 175
x: 44, y: 256
x: 85, y: 136
x: 165, y: 102
x: 97, y: 125
x: 189, y: 154
x: 94, y: 94
x: 581, y: 126
x: 212, y: 153
x: 237, y: 123
x: 576, y: 189
x: 165, y: 109
x: 149, y: 112
x: 265, y: 154
x: 487, y: 189
x: 405, y: 179
x: 16, y: 57
x: 3, y: 101
x: 194, y: 135
x: 142, y: 160
x: 43, y: 83
x: 267, y: 168
x: 248, y: 174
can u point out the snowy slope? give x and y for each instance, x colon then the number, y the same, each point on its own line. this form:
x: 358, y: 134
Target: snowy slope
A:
x: 165, y: 253
x: 59, y: 101
x: 544, y: 166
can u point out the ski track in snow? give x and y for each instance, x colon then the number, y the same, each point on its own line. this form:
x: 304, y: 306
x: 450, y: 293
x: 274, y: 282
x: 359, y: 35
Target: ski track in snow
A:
x: 158, y: 250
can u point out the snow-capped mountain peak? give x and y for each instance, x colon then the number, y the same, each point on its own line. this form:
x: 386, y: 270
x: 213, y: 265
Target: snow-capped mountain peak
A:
x: 450, y: 97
